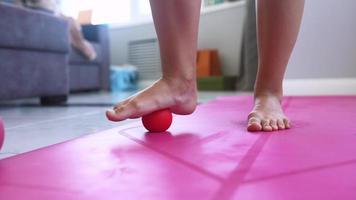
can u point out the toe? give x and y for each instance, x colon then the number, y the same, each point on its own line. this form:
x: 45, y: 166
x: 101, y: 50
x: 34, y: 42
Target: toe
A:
x: 131, y: 109
x: 266, y: 125
x: 121, y: 104
x: 286, y: 123
x: 254, y: 124
x: 273, y: 124
x: 280, y: 124
x: 111, y: 115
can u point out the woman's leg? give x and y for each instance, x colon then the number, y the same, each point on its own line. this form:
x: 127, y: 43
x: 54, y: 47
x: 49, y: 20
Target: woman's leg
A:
x: 176, y: 23
x: 77, y: 39
x: 278, y: 26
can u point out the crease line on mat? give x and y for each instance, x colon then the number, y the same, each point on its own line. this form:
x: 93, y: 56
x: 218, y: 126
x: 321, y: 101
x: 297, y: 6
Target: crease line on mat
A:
x: 236, y: 178
x: 301, y: 171
x: 172, y: 157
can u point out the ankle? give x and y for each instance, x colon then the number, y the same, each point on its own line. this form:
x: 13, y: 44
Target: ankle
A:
x: 181, y: 83
x: 182, y: 90
x: 260, y: 95
x: 174, y: 73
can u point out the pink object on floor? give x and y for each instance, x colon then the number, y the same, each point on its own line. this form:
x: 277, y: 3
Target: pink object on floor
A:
x: 207, y: 155
x: 2, y: 133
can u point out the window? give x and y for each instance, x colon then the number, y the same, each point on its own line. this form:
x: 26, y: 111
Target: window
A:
x: 144, y: 8
x: 110, y: 11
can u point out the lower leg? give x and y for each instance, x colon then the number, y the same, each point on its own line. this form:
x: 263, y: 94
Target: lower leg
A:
x: 277, y: 30
x: 176, y: 23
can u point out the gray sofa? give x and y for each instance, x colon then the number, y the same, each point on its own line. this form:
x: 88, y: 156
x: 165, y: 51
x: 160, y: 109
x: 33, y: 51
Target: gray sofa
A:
x: 37, y: 60
x: 33, y: 55
x: 91, y: 75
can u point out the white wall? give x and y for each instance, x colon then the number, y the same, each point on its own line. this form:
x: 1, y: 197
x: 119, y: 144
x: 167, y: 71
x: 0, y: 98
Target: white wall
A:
x: 326, y: 47
x: 220, y: 27
x: 223, y: 30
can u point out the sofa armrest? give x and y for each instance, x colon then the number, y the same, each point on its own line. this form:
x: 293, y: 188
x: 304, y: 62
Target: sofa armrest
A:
x: 95, y: 33
x: 99, y: 34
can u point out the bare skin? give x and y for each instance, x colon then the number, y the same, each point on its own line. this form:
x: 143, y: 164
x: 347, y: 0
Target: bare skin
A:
x: 180, y: 98
x: 177, y: 32
x: 278, y: 24
x: 176, y: 24
x: 77, y: 39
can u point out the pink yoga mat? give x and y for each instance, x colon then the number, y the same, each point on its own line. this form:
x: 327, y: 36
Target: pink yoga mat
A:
x: 207, y: 155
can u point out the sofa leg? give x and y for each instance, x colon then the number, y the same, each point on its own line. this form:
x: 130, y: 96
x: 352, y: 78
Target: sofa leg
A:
x: 53, y: 100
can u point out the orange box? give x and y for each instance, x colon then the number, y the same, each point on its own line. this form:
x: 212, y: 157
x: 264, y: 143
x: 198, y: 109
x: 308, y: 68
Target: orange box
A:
x: 208, y: 63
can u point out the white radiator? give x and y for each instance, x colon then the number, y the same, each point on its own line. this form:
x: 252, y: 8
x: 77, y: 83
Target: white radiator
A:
x: 144, y: 54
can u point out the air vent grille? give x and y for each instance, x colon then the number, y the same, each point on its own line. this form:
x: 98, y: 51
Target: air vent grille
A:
x: 144, y: 54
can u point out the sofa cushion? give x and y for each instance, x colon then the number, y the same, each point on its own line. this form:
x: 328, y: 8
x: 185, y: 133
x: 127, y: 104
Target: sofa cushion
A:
x: 32, y: 73
x: 84, y: 77
x: 76, y: 57
x: 23, y: 28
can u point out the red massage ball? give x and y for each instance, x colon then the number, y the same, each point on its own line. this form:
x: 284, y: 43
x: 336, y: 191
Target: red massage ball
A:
x: 2, y: 133
x: 158, y: 121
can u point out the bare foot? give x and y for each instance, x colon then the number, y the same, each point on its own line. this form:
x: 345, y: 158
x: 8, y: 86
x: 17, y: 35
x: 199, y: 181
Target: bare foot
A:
x: 179, y: 96
x: 267, y: 115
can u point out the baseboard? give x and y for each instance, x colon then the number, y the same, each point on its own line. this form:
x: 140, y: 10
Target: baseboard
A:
x: 327, y: 86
